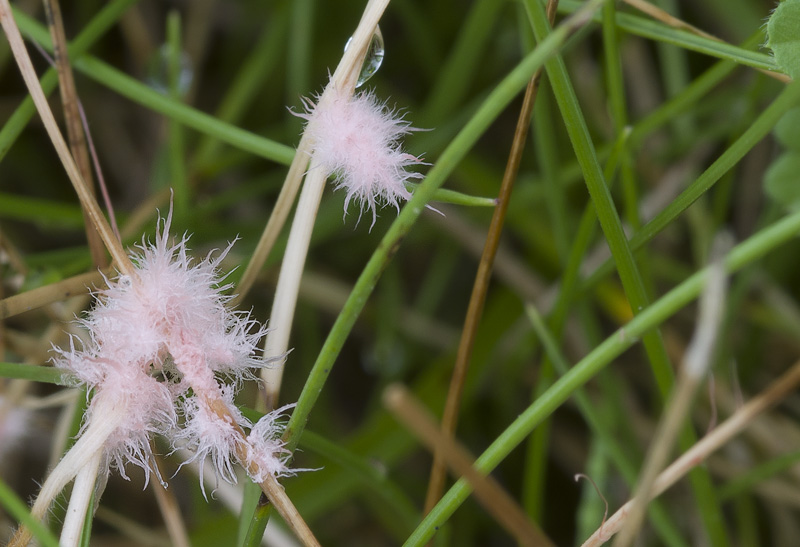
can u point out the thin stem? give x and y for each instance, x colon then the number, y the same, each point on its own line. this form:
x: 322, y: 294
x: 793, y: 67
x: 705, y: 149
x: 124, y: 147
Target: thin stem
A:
x: 72, y: 119
x: 659, y: 32
x: 247, y: 85
x: 177, y: 161
x: 481, y: 285
x: 761, y: 126
x: 607, y: 214
x: 607, y: 439
x: 283, y: 306
x: 19, y: 511
x: 258, y: 524
x: 277, y: 496
x: 86, y: 448
x: 101, y: 182
x: 140, y: 93
x: 455, y: 152
x: 538, y: 445
x: 633, y: 281
x: 276, y: 220
x: 78, y: 508
x: 697, y: 360
x: 92, y: 32
x: 660, y: 15
x: 54, y: 292
x: 270, y: 486
x: 168, y: 505
x: 536, y: 457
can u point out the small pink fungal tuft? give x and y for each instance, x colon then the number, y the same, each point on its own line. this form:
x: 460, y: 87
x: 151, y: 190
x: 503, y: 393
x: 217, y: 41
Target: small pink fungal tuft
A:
x: 267, y: 449
x: 357, y: 139
x: 210, y: 435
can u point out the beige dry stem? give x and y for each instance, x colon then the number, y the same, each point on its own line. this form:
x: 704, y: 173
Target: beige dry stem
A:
x: 168, y: 506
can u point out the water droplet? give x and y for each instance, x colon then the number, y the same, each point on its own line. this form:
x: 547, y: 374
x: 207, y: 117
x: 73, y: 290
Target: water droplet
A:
x: 373, y: 59
x: 158, y: 71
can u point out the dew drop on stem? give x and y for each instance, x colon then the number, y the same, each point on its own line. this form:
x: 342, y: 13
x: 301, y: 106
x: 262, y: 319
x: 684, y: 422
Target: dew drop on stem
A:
x: 373, y: 59
x: 159, y: 72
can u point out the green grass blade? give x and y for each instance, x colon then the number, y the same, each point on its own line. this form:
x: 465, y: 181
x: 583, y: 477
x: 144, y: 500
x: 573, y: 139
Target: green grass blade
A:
x: 246, y: 86
x: 604, y: 434
x: 259, y: 522
x: 749, y: 479
x: 632, y: 280
x: 19, y: 511
x: 36, y: 373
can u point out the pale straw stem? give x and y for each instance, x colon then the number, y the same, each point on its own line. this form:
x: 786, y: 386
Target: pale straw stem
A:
x: 53, y: 292
x: 285, y: 302
x: 276, y: 220
x: 698, y: 355
x: 79, y: 502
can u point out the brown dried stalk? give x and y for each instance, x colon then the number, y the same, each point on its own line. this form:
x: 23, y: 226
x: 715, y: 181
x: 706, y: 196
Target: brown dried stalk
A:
x: 410, y: 412
x: 481, y: 284
x: 72, y: 119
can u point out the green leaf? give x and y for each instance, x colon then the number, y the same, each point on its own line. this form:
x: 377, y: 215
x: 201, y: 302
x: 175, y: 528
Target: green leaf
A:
x: 782, y: 180
x: 19, y: 511
x: 783, y: 36
x: 787, y: 130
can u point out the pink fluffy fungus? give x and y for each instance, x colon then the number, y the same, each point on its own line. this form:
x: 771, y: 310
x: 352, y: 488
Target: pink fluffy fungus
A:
x: 357, y: 140
x: 161, y: 346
